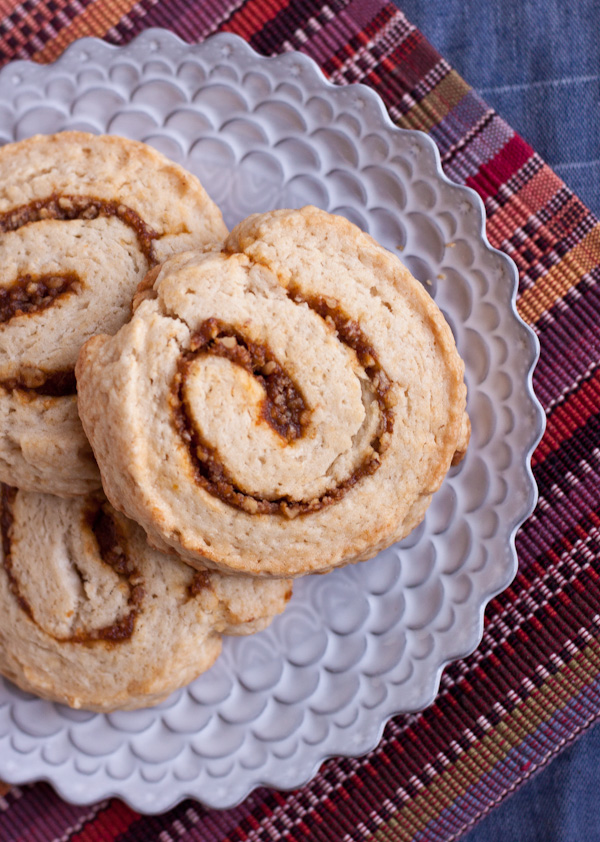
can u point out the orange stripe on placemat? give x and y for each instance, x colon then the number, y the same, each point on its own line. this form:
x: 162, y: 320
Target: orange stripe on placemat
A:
x: 4, y: 788
x: 516, y: 213
x: 97, y: 19
x: 524, y: 208
x: 555, y: 284
x: 540, y: 189
x: 252, y: 17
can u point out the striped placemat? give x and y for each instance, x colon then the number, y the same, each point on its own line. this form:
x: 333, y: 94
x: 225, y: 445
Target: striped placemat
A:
x: 534, y: 683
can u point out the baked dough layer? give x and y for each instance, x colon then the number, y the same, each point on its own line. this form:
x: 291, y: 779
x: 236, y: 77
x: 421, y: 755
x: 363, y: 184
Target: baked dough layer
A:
x: 92, y: 617
x: 82, y: 220
x: 280, y: 407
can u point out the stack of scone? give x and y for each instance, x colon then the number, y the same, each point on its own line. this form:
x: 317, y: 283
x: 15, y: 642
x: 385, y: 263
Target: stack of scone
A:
x: 260, y: 405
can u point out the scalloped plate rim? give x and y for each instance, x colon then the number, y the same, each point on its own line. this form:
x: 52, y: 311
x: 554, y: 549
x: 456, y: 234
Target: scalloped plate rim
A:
x: 64, y: 789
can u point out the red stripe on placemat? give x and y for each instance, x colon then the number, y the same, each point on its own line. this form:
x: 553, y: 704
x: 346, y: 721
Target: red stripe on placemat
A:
x: 108, y: 824
x: 253, y: 16
x: 496, y: 172
x: 410, y: 62
x: 569, y: 417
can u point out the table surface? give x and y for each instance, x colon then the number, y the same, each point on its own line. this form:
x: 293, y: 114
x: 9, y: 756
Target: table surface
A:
x: 534, y: 683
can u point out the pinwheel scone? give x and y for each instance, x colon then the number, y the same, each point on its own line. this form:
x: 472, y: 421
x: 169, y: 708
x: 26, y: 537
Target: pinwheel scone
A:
x: 93, y: 617
x: 280, y: 407
x: 82, y: 220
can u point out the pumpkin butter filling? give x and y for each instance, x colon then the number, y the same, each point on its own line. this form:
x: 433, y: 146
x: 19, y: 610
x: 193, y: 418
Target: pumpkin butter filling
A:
x: 112, y: 551
x: 283, y: 406
x: 69, y: 207
x: 30, y: 294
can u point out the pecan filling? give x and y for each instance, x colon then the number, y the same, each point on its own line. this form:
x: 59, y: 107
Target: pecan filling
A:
x: 200, y: 581
x: 68, y: 207
x: 31, y: 293
x: 112, y: 549
x: 56, y: 385
x: 284, y: 407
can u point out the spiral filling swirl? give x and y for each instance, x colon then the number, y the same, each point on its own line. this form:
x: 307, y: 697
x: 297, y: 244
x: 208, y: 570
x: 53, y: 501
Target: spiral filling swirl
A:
x: 283, y: 408
x: 69, y: 206
x: 111, y: 549
x: 31, y: 293
x: 281, y: 404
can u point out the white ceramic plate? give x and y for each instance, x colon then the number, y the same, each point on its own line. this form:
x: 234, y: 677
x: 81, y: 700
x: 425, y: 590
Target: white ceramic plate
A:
x: 369, y: 641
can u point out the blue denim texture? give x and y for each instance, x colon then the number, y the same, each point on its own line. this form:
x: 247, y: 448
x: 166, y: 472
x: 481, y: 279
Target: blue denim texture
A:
x: 537, y: 62
x: 560, y: 804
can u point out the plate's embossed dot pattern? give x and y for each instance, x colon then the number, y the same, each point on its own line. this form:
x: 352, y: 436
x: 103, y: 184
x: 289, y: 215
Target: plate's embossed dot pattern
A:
x: 362, y: 643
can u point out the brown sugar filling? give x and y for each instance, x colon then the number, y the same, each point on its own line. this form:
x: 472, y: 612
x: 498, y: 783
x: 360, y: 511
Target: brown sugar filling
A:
x: 56, y: 385
x: 29, y: 294
x: 199, y: 583
x: 32, y: 293
x: 69, y: 207
x: 284, y: 407
x: 112, y: 550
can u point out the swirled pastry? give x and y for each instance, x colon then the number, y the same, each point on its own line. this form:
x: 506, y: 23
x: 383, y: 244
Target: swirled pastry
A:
x: 82, y: 220
x: 93, y: 617
x: 281, y: 407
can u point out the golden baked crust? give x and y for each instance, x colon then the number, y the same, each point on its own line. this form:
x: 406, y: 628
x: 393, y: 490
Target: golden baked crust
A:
x: 82, y: 219
x: 91, y: 616
x: 280, y: 407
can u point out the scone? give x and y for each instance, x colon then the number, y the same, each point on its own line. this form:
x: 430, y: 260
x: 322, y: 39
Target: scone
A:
x: 91, y: 616
x: 82, y: 220
x: 281, y: 407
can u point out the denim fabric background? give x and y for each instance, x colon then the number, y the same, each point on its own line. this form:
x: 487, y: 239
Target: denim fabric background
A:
x: 560, y: 804
x: 537, y: 62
